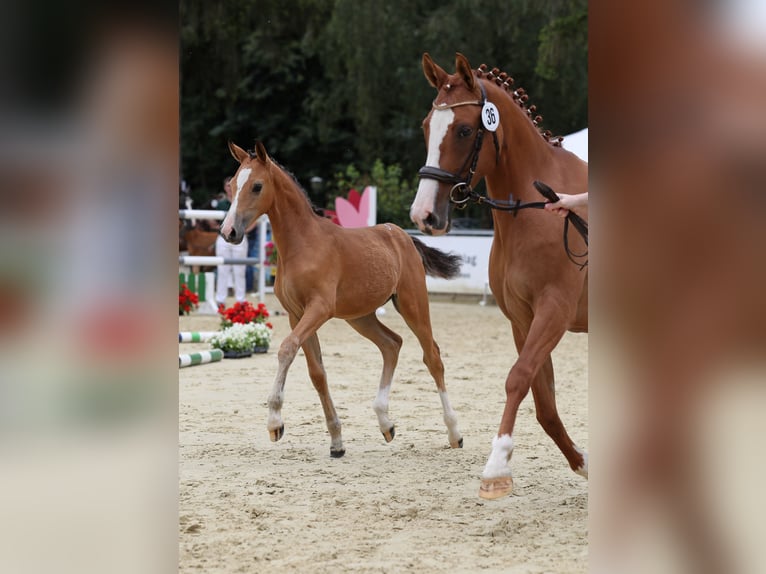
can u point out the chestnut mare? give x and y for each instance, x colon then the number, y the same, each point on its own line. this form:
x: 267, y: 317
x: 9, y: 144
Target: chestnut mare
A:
x: 327, y: 271
x: 479, y: 127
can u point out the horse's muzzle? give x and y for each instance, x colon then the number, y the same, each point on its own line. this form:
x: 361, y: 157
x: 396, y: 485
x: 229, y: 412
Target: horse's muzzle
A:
x: 434, y: 225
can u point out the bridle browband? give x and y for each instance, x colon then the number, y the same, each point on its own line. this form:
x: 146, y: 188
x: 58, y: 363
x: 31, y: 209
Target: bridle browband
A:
x: 462, y: 193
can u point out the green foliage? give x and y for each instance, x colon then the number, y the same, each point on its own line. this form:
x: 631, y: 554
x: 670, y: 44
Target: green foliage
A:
x: 330, y: 83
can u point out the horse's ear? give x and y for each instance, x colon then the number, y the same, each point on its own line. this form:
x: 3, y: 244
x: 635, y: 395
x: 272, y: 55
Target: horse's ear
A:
x: 237, y: 152
x: 434, y: 74
x: 260, y: 151
x: 463, y: 69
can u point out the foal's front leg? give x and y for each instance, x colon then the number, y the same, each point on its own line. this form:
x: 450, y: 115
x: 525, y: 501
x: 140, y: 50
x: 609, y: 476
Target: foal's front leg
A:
x: 319, y: 378
x: 303, y: 327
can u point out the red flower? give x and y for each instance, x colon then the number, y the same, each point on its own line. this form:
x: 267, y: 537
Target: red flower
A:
x: 243, y: 312
x: 186, y: 299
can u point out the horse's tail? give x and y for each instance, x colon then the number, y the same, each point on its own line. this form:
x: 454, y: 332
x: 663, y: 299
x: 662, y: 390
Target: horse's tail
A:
x: 438, y: 263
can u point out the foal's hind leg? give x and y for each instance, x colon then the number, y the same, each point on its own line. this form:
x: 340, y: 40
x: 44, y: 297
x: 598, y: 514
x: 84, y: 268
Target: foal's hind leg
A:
x: 389, y: 344
x: 319, y: 378
x: 412, y: 304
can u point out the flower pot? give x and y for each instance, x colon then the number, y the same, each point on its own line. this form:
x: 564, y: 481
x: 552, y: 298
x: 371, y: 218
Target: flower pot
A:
x: 259, y: 349
x: 236, y: 354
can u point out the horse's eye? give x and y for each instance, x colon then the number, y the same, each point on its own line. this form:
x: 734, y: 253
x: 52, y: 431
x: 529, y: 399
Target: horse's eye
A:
x: 257, y: 187
x: 464, y: 132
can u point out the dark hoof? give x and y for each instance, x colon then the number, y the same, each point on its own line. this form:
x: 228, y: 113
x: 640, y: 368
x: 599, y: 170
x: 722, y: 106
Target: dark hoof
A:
x: 390, y: 434
x: 458, y: 444
x: 277, y: 434
x: 337, y: 453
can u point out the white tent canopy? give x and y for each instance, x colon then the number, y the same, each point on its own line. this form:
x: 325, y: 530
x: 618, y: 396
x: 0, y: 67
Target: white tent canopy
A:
x: 577, y: 143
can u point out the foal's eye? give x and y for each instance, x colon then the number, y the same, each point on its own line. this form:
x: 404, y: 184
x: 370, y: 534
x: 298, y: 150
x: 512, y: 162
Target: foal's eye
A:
x: 464, y: 132
x: 257, y: 187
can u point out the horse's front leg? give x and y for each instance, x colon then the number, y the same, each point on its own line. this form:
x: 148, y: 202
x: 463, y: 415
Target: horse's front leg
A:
x: 302, y: 328
x: 545, y: 331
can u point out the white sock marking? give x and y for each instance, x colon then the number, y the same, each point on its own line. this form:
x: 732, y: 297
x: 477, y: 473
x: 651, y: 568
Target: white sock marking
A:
x: 583, y: 470
x: 450, y: 417
x: 380, y: 406
x: 497, y: 465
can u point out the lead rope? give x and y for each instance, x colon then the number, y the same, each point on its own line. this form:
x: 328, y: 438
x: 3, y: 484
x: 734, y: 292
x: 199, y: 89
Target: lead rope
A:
x: 578, y: 222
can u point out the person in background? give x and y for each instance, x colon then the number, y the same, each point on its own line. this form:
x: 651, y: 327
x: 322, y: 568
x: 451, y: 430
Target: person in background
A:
x: 229, y: 275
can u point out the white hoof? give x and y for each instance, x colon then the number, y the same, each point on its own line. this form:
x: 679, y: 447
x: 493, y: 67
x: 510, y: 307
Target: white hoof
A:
x: 583, y: 470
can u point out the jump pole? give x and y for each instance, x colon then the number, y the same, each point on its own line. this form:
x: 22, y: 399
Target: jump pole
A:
x: 195, y: 336
x: 199, y: 358
x: 201, y: 214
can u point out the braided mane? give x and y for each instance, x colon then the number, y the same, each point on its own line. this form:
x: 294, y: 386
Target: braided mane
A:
x: 520, y: 97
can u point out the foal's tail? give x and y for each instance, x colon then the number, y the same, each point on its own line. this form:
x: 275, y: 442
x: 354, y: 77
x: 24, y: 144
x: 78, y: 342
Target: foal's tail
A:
x: 438, y: 263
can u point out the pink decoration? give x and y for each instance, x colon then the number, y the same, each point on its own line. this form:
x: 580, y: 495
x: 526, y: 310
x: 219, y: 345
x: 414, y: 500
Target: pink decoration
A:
x: 350, y: 215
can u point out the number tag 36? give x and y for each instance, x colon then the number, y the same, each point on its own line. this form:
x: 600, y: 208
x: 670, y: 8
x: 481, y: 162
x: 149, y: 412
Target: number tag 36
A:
x: 490, y: 117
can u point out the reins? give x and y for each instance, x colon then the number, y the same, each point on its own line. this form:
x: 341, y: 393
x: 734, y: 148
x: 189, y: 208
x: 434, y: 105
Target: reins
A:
x: 462, y: 192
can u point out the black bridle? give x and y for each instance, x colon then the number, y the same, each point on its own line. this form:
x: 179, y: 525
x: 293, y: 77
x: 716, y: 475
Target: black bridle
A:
x: 462, y: 193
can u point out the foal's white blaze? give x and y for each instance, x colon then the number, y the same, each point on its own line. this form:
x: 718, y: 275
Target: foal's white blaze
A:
x: 228, y: 221
x: 426, y: 197
x: 497, y: 465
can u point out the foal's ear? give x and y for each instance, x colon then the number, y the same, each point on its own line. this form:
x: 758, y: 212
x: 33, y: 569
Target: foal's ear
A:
x: 463, y: 69
x: 260, y: 151
x: 239, y: 154
x: 434, y: 74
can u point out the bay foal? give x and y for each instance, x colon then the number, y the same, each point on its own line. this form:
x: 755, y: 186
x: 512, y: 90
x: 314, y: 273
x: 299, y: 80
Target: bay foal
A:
x: 326, y: 271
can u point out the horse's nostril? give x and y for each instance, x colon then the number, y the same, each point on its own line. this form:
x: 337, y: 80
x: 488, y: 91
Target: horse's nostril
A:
x: 430, y: 220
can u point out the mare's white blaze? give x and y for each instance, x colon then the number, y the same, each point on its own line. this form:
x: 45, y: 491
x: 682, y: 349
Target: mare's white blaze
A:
x: 450, y: 418
x: 426, y: 197
x: 583, y: 470
x: 380, y: 406
x: 497, y: 465
x: 228, y: 221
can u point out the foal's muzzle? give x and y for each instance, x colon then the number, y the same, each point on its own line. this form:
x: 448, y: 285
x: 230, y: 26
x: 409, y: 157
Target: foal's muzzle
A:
x: 233, y: 236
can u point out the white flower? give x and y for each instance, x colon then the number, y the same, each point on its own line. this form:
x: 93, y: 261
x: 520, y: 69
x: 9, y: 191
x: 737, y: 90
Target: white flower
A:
x: 241, y: 337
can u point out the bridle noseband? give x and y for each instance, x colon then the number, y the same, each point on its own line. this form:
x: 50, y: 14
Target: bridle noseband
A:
x: 462, y: 193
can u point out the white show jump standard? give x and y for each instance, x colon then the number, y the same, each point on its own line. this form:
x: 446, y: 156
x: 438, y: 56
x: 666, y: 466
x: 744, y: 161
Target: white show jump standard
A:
x: 199, y: 358
x: 215, y: 261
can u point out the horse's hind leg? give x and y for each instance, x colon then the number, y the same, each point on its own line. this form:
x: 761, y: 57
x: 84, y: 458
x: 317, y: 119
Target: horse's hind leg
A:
x: 412, y: 304
x: 544, y: 393
x: 389, y: 344
x: 319, y: 378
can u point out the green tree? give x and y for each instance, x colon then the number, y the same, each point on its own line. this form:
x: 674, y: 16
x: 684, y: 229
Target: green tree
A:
x: 329, y: 83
